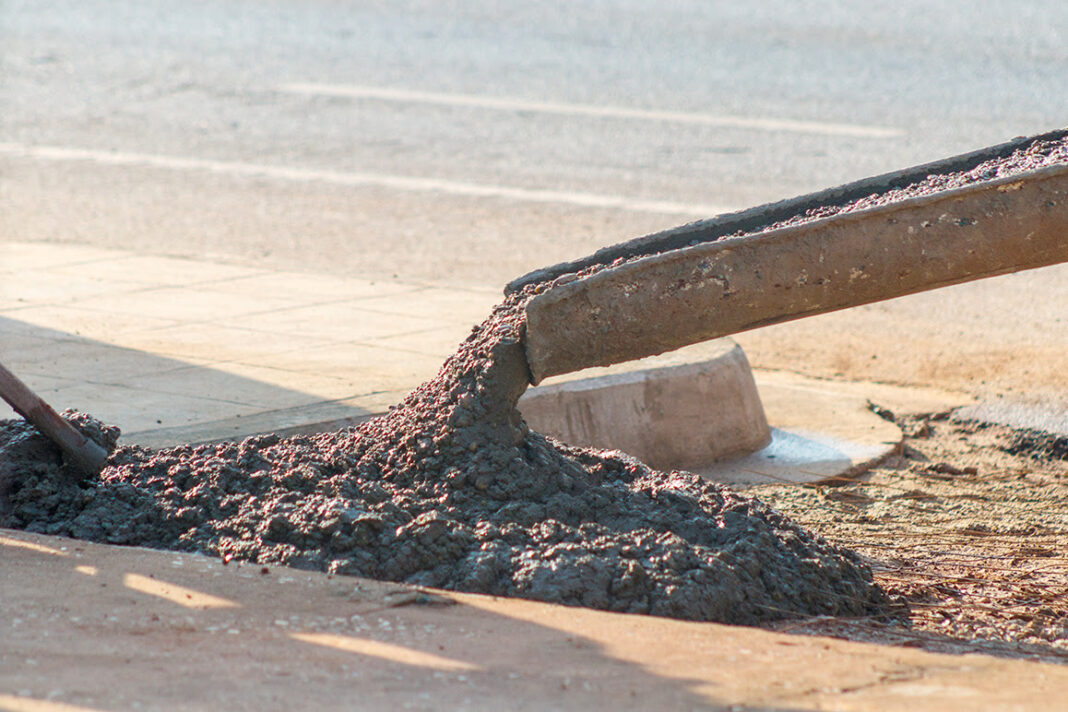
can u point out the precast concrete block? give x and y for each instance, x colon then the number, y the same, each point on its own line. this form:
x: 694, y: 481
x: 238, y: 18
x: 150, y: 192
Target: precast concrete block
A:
x: 679, y: 410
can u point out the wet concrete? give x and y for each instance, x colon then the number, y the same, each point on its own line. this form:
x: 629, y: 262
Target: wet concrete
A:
x: 452, y: 490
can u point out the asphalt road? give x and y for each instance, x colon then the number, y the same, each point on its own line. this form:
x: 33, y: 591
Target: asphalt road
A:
x: 471, y: 142
x: 479, y: 140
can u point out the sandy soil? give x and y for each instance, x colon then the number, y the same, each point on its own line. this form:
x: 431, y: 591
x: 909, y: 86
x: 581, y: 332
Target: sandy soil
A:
x: 967, y: 529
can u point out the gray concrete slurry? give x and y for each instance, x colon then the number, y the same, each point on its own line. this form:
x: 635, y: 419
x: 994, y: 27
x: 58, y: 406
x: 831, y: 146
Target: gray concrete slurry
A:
x: 1045, y: 414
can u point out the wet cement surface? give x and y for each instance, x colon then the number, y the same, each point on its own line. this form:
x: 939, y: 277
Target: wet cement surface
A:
x: 1041, y: 153
x: 451, y: 489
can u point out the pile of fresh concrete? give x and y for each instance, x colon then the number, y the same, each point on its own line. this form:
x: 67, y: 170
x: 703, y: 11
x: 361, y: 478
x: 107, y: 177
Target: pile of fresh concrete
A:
x: 451, y: 489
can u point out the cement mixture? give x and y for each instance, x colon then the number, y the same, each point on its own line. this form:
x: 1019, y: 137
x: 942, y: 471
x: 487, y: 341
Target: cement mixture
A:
x: 1039, y: 154
x: 451, y: 489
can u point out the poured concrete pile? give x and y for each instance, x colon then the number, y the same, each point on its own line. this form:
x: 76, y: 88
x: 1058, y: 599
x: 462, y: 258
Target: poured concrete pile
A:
x: 451, y: 489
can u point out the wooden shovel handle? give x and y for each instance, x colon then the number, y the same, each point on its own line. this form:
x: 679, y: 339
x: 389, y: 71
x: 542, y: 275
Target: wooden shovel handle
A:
x: 87, y: 454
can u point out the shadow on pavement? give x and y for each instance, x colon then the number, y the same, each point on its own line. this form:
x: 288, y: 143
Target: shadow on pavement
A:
x: 156, y: 400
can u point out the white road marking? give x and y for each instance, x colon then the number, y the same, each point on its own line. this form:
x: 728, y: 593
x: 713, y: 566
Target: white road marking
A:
x: 379, y: 180
x: 618, y: 112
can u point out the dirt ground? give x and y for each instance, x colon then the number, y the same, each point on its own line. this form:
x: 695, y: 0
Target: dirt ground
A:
x: 967, y: 528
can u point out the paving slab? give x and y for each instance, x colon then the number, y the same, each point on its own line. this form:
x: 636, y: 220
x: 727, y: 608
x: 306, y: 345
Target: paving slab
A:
x: 93, y: 628
x: 176, y: 350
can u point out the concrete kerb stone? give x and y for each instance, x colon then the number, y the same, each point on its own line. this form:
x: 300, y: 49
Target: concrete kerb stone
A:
x: 670, y: 415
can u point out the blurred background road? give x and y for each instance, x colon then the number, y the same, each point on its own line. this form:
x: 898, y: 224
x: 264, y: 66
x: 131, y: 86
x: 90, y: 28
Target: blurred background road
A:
x: 467, y: 143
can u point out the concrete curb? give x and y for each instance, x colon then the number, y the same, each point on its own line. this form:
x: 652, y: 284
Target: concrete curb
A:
x: 668, y: 415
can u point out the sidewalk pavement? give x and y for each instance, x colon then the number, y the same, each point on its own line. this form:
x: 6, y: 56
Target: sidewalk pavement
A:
x: 177, y: 350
